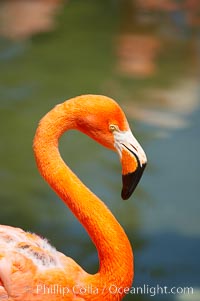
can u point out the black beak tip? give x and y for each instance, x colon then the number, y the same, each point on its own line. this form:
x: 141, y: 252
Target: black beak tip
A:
x: 130, y: 182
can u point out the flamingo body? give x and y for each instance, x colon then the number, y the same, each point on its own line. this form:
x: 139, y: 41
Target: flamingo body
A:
x: 30, y: 268
x: 26, y: 261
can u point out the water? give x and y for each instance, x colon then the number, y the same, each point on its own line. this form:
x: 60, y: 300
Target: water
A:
x: 149, y: 62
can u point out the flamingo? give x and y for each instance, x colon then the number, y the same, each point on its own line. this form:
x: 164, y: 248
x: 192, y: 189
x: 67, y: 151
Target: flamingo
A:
x: 30, y: 268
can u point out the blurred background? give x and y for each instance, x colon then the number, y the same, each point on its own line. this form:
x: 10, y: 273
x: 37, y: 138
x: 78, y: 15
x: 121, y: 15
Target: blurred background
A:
x: 144, y: 54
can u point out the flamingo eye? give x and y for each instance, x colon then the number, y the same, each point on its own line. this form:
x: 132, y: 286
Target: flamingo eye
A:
x: 113, y: 128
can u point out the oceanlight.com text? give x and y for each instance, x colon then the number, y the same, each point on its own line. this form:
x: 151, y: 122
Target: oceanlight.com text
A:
x: 112, y: 289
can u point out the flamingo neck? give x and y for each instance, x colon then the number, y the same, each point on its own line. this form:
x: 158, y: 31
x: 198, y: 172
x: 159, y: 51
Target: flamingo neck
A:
x: 114, y: 250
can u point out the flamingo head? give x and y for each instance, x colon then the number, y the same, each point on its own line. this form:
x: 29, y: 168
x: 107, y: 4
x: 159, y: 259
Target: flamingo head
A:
x: 104, y: 121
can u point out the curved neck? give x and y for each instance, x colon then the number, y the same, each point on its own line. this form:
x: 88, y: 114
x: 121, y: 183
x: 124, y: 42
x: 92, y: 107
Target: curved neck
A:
x: 114, y: 250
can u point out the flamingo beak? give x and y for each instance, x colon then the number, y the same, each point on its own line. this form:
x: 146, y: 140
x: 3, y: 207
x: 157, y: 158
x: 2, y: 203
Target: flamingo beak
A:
x: 133, y: 161
x: 130, y: 181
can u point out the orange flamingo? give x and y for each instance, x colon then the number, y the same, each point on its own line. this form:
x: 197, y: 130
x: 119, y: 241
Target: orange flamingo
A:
x: 30, y: 268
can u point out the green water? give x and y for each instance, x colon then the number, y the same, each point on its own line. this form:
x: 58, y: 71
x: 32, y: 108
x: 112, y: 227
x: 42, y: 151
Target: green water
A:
x: 81, y: 55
